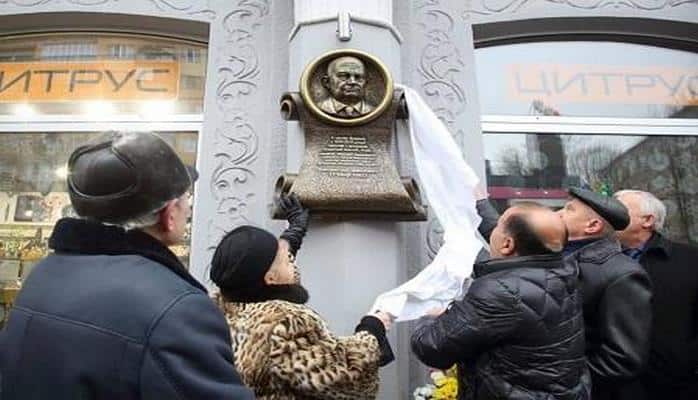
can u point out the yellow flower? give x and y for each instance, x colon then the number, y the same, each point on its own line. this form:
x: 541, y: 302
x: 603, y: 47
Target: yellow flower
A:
x: 447, y: 389
x: 446, y: 383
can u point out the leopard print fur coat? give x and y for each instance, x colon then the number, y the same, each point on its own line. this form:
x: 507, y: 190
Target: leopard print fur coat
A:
x: 285, y: 351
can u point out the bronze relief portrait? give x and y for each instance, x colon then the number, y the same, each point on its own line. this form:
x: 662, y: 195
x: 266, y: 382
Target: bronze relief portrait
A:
x: 346, y: 87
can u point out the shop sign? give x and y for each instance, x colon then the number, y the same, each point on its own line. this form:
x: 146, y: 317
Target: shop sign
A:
x: 574, y: 83
x: 96, y: 80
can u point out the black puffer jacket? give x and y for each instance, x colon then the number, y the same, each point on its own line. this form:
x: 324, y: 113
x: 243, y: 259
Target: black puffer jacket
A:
x: 517, y: 334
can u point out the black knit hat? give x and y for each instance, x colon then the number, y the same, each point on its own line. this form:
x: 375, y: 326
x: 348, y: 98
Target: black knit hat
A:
x: 242, y: 258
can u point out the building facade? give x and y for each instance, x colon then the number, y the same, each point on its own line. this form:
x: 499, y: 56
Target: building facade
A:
x: 539, y: 94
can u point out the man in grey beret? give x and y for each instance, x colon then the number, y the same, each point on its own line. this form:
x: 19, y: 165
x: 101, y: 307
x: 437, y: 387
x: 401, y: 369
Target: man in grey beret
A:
x: 616, y: 290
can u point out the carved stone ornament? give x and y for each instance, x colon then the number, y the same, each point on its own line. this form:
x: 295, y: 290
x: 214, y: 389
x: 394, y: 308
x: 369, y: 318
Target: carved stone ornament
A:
x: 347, y: 108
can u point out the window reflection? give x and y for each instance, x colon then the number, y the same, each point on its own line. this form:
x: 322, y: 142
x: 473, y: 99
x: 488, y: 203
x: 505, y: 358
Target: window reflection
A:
x: 33, y: 193
x: 595, y: 79
x: 58, y: 74
x: 540, y: 167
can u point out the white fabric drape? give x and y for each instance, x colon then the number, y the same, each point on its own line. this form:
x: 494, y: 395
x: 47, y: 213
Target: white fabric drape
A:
x: 448, y: 183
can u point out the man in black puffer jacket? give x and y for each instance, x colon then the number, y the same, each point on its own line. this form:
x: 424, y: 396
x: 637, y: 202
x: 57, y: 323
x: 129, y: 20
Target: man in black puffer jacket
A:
x: 519, y: 331
x: 617, y: 292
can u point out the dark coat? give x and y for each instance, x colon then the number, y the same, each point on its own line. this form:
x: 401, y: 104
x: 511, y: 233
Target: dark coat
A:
x: 517, y: 334
x: 114, y: 316
x: 672, y: 371
x: 617, y: 313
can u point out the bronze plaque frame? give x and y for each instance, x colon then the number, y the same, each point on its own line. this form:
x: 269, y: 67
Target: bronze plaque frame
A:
x: 347, y: 111
x: 312, y: 91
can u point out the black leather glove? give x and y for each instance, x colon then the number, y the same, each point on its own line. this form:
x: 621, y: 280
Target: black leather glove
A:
x: 297, y: 217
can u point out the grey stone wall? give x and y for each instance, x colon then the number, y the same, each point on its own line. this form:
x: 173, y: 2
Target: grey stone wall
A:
x: 485, y: 11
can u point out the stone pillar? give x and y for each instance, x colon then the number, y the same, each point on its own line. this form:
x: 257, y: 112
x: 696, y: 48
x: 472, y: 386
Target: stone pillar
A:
x: 345, y: 265
x: 438, y: 61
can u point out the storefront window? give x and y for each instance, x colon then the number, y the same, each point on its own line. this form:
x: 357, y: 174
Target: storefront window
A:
x: 92, y: 77
x: 540, y: 167
x: 587, y: 79
x: 33, y: 193
x: 100, y: 75
x: 89, y: 75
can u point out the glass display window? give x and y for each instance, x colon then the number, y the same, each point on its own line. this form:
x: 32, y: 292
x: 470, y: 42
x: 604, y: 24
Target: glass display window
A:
x: 60, y: 90
x: 97, y: 75
x: 587, y: 79
x: 603, y: 115
x: 539, y: 167
x: 33, y: 193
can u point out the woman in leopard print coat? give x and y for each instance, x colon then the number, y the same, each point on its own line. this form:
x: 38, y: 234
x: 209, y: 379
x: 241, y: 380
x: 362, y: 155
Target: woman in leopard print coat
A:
x: 283, y: 349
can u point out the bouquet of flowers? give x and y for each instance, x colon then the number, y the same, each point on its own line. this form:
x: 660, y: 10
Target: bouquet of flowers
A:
x: 444, y: 386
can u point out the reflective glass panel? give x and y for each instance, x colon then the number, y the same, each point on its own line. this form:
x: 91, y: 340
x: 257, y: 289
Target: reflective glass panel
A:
x: 587, y: 79
x: 33, y: 193
x: 540, y: 168
x: 100, y: 74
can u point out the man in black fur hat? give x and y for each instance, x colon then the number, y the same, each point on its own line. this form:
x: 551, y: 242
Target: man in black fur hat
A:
x: 113, y: 314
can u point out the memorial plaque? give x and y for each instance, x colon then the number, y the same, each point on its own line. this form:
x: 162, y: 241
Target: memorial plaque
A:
x: 347, y: 108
